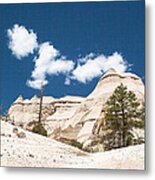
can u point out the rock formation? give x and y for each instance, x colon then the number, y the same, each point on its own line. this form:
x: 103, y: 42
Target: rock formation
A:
x: 24, y: 111
x: 71, y: 117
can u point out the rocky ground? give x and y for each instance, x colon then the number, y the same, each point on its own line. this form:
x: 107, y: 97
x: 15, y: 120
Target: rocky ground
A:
x: 26, y: 149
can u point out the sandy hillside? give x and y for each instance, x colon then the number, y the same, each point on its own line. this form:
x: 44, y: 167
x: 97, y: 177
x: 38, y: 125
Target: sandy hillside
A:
x: 38, y: 151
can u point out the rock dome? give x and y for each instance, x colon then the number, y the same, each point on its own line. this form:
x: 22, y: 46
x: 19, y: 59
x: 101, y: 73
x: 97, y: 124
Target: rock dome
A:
x: 110, y: 80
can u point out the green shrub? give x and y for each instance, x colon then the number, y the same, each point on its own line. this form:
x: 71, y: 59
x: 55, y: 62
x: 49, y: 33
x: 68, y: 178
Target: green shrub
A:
x: 76, y: 144
x: 140, y: 124
x: 39, y: 129
x: 97, y: 141
x: 138, y: 141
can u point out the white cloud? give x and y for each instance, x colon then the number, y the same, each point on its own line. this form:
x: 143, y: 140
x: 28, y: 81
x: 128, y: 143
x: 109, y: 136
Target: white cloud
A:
x: 46, y: 54
x: 60, y: 66
x: 96, y: 66
x: 86, y: 58
x: 67, y: 81
x: 37, y: 83
x: 48, y: 63
x: 22, y: 42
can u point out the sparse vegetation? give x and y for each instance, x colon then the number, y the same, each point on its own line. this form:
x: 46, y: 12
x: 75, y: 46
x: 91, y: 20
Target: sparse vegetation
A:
x: 71, y: 142
x: 39, y: 129
x: 76, y: 144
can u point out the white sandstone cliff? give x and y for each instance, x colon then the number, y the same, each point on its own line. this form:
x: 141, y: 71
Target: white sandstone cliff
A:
x: 74, y: 117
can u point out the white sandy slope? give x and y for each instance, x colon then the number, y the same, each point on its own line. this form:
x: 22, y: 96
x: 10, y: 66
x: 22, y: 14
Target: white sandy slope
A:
x: 39, y: 151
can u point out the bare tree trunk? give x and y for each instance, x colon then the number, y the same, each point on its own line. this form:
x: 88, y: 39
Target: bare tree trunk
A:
x: 41, y: 101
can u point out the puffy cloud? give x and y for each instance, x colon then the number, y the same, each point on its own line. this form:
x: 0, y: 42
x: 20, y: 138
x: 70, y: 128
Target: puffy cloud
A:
x: 86, y: 58
x: 95, y: 66
x: 67, y: 81
x: 47, y: 53
x: 60, y: 66
x: 22, y: 42
x: 37, y: 83
x: 48, y: 63
x: 49, y: 60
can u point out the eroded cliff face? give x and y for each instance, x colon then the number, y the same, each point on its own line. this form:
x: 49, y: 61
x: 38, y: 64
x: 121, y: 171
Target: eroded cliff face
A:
x: 24, y: 111
x: 71, y: 117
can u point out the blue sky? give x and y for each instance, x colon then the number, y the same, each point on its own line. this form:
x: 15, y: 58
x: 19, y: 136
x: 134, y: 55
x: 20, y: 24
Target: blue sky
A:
x: 80, y: 40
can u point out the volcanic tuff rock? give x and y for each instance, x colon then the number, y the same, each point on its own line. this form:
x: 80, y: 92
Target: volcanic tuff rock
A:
x: 35, y: 150
x: 71, y: 117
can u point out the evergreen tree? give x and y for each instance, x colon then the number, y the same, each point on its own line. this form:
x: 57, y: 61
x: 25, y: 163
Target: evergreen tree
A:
x: 142, y: 112
x: 122, y: 114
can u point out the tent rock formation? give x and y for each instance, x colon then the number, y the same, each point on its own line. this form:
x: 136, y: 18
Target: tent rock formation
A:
x: 72, y: 117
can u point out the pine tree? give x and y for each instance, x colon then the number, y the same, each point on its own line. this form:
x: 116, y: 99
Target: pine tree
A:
x: 142, y: 112
x: 122, y: 114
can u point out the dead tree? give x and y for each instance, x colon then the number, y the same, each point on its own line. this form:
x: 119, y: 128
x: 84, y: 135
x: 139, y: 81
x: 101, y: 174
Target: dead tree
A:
x: 41, y: 102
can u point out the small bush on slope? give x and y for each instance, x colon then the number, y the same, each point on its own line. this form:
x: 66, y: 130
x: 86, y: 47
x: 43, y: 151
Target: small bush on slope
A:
x: 39, y: 129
